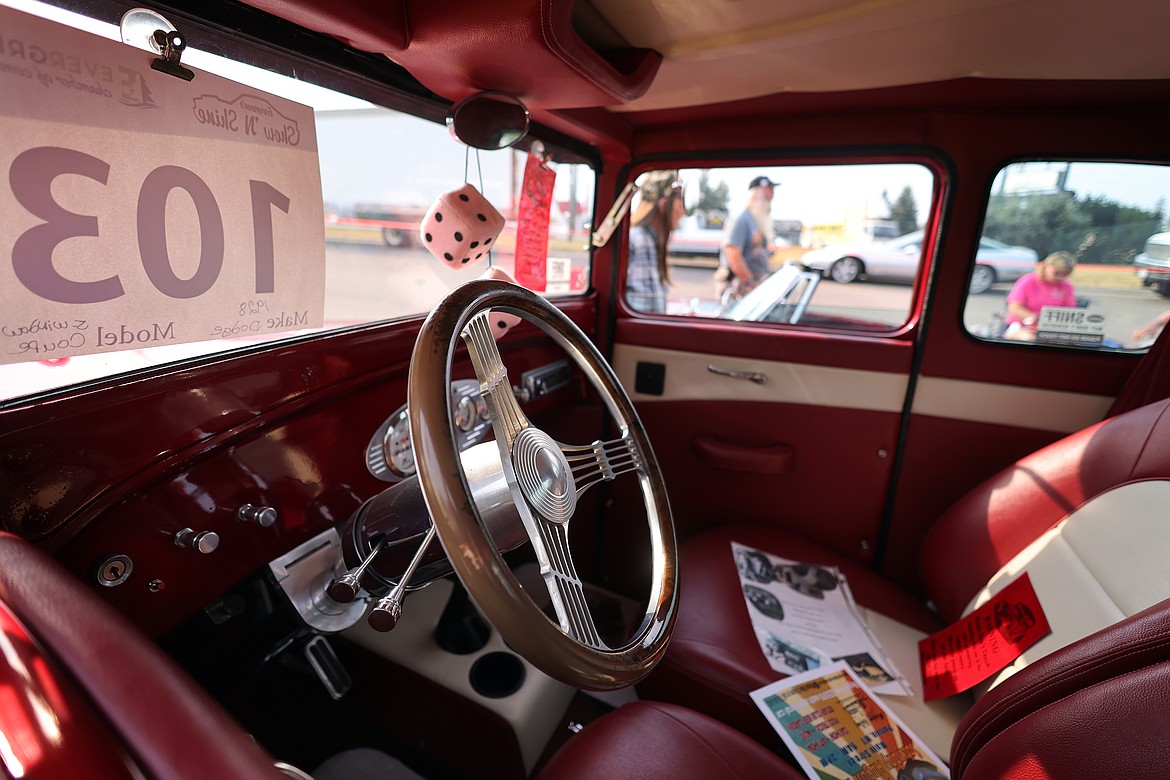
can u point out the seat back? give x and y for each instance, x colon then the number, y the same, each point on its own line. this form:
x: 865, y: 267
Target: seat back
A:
x: 1097, y: 708
x: 1100, y: 488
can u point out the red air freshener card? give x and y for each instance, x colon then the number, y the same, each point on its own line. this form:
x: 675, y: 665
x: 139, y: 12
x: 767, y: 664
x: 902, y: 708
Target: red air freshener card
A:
x: 532, y: 228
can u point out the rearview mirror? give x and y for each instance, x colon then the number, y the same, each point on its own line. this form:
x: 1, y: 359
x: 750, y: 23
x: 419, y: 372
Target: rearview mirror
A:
x: 488, y: 120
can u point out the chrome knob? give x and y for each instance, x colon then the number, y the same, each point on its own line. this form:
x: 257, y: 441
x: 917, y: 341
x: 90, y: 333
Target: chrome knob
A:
x: 263, y: 516
x: 200, y: 541
x: 345, y: 588
x: 384, y: 616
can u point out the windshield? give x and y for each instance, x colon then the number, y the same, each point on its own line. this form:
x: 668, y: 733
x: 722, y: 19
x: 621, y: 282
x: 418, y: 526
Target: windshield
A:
x: 380, y: 170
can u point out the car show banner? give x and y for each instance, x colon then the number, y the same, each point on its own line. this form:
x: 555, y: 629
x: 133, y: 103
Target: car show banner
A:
x: 139, y: 208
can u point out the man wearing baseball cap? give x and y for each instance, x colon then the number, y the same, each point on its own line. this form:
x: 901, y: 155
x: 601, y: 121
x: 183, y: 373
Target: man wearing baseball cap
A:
x: 747, y: 246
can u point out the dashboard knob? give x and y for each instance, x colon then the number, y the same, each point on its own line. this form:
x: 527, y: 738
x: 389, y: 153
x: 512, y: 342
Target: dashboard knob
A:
x: 200, y: 541
x: 264, y: 516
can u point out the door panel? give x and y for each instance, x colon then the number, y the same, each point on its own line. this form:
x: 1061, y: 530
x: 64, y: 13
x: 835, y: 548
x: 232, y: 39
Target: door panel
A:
x: 809, y: 449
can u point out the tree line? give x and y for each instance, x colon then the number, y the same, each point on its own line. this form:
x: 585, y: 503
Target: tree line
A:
x: 1095, y: 229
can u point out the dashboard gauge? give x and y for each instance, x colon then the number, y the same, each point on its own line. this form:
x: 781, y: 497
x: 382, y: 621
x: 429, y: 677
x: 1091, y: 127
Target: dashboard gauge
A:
x: 399, y: 452
x: 390, y: 454
x: 465, y: 413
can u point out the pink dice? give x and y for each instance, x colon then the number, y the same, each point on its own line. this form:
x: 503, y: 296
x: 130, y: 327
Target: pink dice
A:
x: 460, y: 227
x: 500, y: 322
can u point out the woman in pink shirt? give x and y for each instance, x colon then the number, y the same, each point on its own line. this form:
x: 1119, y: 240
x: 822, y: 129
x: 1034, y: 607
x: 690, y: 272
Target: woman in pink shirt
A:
x: 1046, y: 286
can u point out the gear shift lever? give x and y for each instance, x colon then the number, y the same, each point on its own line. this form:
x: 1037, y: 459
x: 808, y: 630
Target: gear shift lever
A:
x: 384, y: 616
x: 345, y: 588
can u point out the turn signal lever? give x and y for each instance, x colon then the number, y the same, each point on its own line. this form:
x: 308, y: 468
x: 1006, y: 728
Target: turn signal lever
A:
x: 345, y: 588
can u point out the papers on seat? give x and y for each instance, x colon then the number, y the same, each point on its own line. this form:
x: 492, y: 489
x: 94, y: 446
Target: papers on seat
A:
x: 836, y: 728
x: 805, y: 618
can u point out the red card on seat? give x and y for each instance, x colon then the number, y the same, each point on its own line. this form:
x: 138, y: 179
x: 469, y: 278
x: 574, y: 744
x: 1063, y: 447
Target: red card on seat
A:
x: 983, y: 642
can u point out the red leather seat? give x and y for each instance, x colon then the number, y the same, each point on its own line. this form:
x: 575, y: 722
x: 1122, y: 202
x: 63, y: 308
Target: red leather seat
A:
x: 1096, y: 708
x: 1084, y: 517
x: 656, y: 741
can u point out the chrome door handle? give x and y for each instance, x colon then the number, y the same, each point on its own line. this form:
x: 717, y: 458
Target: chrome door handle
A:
x: 751, y: 376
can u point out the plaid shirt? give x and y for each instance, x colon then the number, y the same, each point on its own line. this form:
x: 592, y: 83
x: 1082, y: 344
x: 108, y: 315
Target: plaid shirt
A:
x: 644, y: 288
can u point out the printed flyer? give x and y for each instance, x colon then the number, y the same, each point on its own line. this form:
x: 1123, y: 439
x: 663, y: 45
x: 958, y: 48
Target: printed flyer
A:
x: 836, y: 728
x: 805, y: 618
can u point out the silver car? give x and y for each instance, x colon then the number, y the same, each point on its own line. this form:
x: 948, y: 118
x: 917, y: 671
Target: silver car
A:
x: 897, y: 260
x: 1153, y: 264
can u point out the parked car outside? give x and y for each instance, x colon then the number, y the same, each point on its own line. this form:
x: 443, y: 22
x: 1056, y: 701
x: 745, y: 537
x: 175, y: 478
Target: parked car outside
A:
x: 698, y: 236
x: 694, y: 237
x: 898, y: 260
x: 1153, y: 264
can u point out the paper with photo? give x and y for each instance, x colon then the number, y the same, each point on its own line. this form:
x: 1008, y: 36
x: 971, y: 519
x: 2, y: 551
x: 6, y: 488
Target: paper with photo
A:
x: 804, y: 617
x: 837, y: 729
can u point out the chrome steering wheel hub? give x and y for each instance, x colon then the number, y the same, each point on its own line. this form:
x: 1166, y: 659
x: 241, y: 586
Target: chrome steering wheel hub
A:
x: 544, y: 475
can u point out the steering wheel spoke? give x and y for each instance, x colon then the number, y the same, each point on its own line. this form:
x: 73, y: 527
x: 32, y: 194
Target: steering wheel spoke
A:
x: 507, y: 417
x: 602, y: 461
x: 564, y: 586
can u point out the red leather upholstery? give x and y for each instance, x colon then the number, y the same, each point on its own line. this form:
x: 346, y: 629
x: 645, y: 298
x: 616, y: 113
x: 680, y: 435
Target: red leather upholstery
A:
x: 714, y: 658
x: 167, y: 724
x: 994, y: 522
x: 1097, y: 708
x: 378, y: 27
x: 654, y: 741
x: 1150, y: 381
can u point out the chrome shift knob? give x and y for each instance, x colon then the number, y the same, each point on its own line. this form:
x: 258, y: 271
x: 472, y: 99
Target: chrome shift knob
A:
x: 384, y: 616
x: 345, y: 588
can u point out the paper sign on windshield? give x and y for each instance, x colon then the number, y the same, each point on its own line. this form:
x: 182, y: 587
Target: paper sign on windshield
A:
x: 138, y: 209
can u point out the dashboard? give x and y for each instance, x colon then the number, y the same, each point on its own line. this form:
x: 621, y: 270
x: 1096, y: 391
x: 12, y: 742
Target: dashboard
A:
x: 390, y: 455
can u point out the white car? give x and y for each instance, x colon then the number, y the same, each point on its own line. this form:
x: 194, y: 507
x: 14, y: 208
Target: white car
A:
x: 1153, y: 264
x: 694, y: 237
x: 898, y: 260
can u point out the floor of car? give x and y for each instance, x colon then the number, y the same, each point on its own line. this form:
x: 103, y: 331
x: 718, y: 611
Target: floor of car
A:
x: 363, y: 763
x: 248, y: 651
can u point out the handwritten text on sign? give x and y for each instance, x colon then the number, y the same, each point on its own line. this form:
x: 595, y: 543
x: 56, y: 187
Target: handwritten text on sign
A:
x: 138, y: 209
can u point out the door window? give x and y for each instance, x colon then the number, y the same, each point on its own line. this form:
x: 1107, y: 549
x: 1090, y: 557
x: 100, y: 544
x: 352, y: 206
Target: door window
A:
x: 1073, y: 254
x: 814, y: 245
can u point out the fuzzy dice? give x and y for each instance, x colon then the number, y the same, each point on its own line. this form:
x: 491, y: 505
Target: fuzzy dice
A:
x: 500, y: 322
x: 460, y: 227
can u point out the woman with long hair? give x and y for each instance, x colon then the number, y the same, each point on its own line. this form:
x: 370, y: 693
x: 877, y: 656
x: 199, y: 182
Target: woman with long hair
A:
x: 652, y: 220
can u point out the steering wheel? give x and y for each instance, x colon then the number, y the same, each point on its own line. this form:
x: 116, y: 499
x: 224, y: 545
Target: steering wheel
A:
x: 544, y: 478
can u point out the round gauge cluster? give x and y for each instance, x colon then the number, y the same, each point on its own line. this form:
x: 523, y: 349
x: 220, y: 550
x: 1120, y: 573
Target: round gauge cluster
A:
x: 390, y: 454
x: 396, y: 445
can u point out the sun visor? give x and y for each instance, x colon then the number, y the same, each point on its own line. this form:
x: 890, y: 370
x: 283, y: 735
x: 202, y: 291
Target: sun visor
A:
x: 530, y: 49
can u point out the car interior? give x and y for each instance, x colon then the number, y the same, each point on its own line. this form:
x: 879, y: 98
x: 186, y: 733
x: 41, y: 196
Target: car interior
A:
x: 339, y: 436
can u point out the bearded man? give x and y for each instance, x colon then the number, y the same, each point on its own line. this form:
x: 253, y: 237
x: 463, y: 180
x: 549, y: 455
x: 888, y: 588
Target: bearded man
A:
x: 746, y: 254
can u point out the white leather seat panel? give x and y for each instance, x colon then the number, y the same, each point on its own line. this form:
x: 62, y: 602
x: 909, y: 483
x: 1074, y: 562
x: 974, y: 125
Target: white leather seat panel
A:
x: 1104, y: 562
x: 934, y: 722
